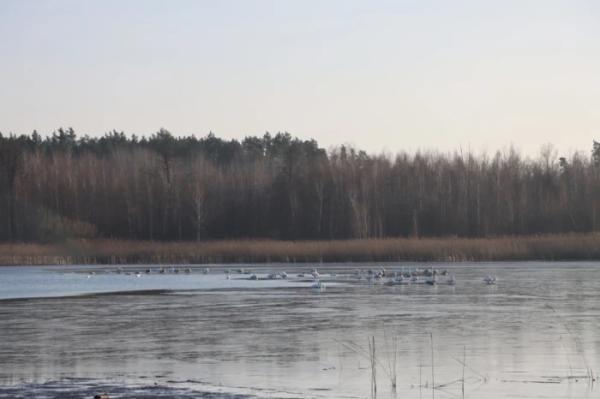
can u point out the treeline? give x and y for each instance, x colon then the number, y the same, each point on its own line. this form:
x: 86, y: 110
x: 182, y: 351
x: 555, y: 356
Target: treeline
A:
x: 164, y: 187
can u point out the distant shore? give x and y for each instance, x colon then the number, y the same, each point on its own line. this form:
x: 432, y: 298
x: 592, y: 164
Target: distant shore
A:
x: 450, y: 249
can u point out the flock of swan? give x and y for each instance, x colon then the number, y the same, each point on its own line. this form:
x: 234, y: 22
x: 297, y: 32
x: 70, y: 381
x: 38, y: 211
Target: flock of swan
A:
x: 372, y: 276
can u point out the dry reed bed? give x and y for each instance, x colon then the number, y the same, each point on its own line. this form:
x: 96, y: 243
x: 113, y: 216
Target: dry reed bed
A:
x: 546, y: 247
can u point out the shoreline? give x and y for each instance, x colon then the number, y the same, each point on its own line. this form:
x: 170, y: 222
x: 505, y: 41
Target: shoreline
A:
x: 556, y: 247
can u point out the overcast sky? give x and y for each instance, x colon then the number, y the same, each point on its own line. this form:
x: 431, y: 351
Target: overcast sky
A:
x: 381, y: 75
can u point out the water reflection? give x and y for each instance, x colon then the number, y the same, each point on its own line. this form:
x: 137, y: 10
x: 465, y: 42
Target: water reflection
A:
x: 532, y: 335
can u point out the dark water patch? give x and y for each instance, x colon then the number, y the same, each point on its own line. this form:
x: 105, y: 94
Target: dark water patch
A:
x: 86, y: 295
x: 81, y: 389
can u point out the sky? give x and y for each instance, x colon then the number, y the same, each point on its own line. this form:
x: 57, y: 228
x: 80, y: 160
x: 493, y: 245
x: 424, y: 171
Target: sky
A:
x: 384, y: 76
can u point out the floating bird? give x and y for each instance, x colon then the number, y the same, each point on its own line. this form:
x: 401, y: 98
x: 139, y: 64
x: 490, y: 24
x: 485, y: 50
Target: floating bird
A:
x: 490, y: 280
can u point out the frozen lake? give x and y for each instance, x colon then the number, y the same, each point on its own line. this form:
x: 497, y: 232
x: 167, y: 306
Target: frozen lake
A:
x: 65, y: 332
